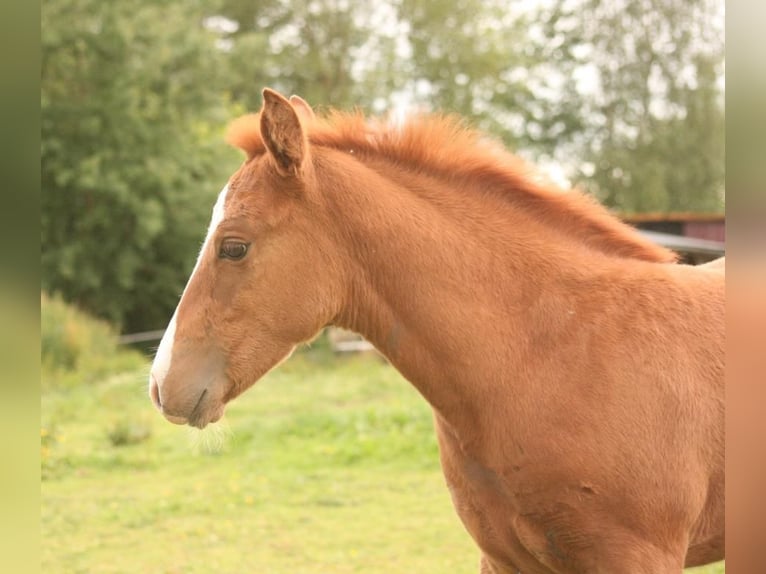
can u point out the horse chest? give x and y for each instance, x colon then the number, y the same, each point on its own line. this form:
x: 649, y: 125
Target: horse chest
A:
x: 492, y: 507
x: 491, y: 511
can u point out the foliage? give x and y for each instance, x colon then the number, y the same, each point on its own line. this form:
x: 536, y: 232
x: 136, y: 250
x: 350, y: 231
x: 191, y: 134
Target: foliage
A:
x: 468, y: 57
x: 131, y: 152
x: 77, y: 349
x: 339, y: 54
x: 626, y: 95
x: 323, y: 466
x: 631, y: 88
x: 457, y: 56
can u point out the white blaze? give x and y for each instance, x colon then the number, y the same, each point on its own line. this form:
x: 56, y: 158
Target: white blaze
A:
x: 161, y: 364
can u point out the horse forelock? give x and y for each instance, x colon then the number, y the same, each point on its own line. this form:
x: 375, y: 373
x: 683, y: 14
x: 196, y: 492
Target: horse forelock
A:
x: 244, y: 133
x: 445, y: 146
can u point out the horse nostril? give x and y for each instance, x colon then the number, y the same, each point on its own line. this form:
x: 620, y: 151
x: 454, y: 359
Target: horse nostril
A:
x: 154, y: 392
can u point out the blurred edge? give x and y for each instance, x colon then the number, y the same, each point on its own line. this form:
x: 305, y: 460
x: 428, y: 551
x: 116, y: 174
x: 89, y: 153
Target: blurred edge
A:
x: 19, y: 281
x: 19, y: 285
x: 746, y: 286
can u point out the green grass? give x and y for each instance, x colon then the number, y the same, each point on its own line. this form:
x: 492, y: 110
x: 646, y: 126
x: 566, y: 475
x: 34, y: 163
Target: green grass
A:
x: 324, y: 466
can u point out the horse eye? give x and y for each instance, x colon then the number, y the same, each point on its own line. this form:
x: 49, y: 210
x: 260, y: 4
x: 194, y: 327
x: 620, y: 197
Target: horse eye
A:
x: 233, y: 250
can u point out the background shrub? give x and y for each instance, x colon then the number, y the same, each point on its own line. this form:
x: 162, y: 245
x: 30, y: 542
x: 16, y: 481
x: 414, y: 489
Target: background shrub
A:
x: 77, y: 349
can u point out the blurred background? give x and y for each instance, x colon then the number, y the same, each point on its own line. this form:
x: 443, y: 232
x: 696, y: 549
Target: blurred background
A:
x: 623, y: 98
x: 330, y: 463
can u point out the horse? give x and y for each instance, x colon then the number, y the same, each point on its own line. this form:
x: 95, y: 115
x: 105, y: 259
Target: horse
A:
x: 575, y: 369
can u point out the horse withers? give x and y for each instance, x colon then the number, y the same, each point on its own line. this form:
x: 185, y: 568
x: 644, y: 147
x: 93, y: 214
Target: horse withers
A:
x: 576, y: 372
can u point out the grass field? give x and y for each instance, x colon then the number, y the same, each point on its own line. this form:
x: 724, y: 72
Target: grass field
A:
x: 324, y: 466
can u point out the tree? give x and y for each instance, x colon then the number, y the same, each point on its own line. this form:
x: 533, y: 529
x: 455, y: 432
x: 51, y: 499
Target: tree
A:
x: 136, y: 94
x: 331, y: 52
x: 633, y: 94
x: 460, y: 56
x: 468, y: 57
x: 132, y: 154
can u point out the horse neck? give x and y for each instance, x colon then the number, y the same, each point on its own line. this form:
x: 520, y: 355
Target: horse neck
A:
x: 439, y: 284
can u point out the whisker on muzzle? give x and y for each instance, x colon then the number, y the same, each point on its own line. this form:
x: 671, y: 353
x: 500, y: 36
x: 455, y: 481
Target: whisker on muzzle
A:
x: 211, y: 440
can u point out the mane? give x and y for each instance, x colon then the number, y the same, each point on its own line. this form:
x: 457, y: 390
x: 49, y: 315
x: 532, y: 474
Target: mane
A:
x: 444, y: 145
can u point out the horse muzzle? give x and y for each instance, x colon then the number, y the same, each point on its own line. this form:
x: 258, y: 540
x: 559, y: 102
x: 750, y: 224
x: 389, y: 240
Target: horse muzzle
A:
x: 191, y: 391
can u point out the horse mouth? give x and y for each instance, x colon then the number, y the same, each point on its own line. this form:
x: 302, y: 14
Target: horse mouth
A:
x: 176, y: 420
x: 205, y: 412
x: 202, y: 421
x: 193, y: 415
x: 201, y: 415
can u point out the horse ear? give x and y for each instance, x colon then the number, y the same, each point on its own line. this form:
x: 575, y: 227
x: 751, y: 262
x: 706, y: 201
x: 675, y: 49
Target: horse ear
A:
x: 282, y: 133
x: 302, y: 107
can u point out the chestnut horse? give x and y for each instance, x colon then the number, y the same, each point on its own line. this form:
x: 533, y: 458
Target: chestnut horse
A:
x: 575, y: 371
